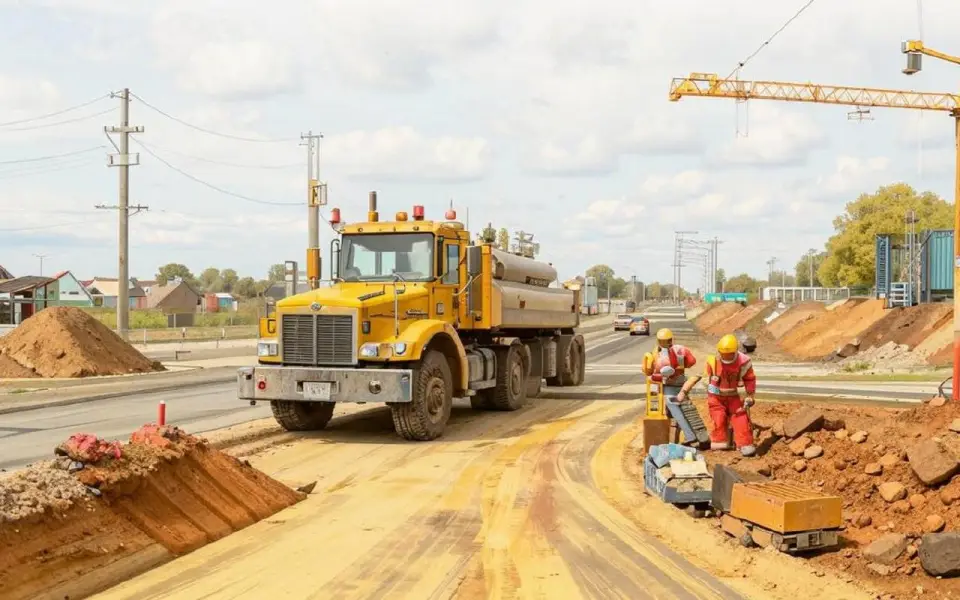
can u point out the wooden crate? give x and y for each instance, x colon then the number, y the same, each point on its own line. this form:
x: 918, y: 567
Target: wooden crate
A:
x: 785, y: 508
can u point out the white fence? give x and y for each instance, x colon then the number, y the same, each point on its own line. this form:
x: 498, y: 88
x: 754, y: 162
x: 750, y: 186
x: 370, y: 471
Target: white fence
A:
x: 804, y: 294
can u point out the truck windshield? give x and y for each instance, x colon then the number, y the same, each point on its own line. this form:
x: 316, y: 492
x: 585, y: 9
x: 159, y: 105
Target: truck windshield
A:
x: 377, y: 257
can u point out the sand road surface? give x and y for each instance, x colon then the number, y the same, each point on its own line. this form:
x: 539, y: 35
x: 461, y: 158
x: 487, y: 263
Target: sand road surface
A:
x: 504, y: 506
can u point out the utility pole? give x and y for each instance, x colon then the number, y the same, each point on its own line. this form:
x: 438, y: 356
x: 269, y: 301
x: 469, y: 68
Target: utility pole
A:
x: 124, y: 160
x: 41, y: 257
x: 770, y: 265
x: 678, y: 261
x: 316, y: 197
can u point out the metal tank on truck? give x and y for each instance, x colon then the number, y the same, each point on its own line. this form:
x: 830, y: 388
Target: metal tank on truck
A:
x: 417, y: 315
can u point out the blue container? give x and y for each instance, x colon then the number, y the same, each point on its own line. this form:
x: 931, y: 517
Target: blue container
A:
x: 937, y: 257
x: 656, y: 486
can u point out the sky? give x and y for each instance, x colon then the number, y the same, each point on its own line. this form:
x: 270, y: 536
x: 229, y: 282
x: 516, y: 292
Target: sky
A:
x: 547, y: 117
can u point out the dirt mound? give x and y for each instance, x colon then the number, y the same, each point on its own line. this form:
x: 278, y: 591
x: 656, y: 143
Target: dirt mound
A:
x: 67, y: 342
x: 907, y: 326
x: 738, y: 319
x: 855, y: 471
x: 70, y: 528
x: 717, y: 313
x: 793, y: 316
x: 820, y: 336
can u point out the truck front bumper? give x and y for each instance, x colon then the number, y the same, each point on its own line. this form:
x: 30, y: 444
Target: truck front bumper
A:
x: 324, y: 384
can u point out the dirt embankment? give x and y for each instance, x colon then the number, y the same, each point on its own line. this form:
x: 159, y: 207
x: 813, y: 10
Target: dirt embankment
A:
x: 794, y: 316
x: 830, y: 330
x: 68, y: 342
x: 716, y: 313
x: 861, y: 454
x: 105, y: 512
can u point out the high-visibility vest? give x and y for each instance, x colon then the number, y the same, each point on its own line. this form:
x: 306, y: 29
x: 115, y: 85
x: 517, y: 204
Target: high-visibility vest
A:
x: 724, y: 379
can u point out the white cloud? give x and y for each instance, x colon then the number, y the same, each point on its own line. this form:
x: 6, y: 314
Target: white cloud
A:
x: 773, y: 137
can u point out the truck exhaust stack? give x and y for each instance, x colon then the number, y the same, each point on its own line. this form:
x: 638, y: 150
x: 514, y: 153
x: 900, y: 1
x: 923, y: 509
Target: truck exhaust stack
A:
x: 372, y: 215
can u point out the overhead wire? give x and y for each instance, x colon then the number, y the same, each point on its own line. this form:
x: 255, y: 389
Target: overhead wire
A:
x: 210, y: 131
x: 51, y: 156
x: 225, y: 163
x: 202, y: 182
x: 58, y: 123
x: 56, y: 113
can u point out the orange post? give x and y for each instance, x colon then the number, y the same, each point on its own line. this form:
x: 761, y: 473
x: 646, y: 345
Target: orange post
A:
x: 162, y: 413
x: 956, y: 263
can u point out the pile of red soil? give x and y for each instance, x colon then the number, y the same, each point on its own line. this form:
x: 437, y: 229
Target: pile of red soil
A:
x: 68, y: 342
x: 794, y: 316
x: 716, y: 313
x: 167, y: 494
x: 737, y: 320
x: 845, y: 469
x: 830, y: 330
x: 907, y: 326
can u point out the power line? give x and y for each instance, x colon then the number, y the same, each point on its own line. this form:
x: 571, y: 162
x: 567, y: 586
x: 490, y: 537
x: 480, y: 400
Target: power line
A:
x: 766, y: 43
x: 39, y: 227
x: 210, y: 185
x: 56, y: 113
x: 210, y: 131
x: 224, y: 163
x: 13, y: 173
x: 51, y: 156
x: 66, y: 122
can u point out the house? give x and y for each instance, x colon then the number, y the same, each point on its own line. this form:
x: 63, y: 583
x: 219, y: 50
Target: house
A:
x: 106, y: 290
x: 67, y: 290
x: 21, y: 297
x: 174, y: 297
x: 146, y: 284
x: 5, y: 274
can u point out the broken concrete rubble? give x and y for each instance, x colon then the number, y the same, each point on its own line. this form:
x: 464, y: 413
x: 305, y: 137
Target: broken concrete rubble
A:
x: 891, y: 491
x: 934, y: 524
x: 800, y: 445
x: 887, y: 549
x: 803, y: 420
x: 930, y: 463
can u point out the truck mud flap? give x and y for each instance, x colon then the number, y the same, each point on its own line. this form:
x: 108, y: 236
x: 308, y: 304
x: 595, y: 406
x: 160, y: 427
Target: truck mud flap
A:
x: 689, y: 421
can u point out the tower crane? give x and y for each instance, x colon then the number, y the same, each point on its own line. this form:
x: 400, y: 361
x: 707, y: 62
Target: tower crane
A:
x: 710, y: 85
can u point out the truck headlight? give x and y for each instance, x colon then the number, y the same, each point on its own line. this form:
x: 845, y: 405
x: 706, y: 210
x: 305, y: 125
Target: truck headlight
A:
x: 267, y: 349
x: 370, y: 350
x: 400, y: 348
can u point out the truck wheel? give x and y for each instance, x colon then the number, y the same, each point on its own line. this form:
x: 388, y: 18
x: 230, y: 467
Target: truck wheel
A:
x: 425, y: 417
x: 510, y: 392
x: 302, y: 416
x: 574, y: 369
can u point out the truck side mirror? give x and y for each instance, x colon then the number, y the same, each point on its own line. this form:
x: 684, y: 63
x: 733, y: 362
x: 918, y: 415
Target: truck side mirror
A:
x: 474, y: 261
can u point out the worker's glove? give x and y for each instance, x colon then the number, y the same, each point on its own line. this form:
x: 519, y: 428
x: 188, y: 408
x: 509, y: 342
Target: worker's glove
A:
x: 749, y: 401
x: 667, y: 372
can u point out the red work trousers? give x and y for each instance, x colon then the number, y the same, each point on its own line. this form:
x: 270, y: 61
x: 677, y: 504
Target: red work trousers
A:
x: 729, y: 408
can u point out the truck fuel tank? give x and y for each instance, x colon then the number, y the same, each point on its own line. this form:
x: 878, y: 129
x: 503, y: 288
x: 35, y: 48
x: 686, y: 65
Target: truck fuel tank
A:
x: 519, y: 269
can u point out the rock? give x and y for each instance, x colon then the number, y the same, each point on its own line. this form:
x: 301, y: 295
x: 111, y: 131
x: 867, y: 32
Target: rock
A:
x: 934, y: 524
x: 892, y: 491
x: 889, y: 460
x: 765, y: 471
x: 859, y: 437
x: 950, y: 494
x: 912, y: 551
x: 813, y: 452
x: 879, y: 569
x: 800, y: 466
x: 940, y: 554
x: 873, y: 469
x: 917, y: 501
x: 800, y: 445
x: 307, y: 488
x: 834, y: 424
x: 839, y: 465
x: 955, y: 426
x: 886, y: 549
x: 864, y: 521
x: 848, y: 350
x: 930, y: 463
x: 938, y: 401
x: 901, y: 507
x: 777, y: 429
x: 805, y: 419
x: 841, y: 434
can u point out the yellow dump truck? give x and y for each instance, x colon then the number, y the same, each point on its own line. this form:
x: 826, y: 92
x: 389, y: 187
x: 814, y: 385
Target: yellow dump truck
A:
x: 418, y: 315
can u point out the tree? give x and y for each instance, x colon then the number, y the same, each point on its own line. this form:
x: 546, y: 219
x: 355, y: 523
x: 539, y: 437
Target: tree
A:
x: 803, y: 269
x: 210, y: 280
x: 245, y: 287
x: 172, y: 271
x: 741, y: 284
x: 228, y: 279
x: 851, y: 251
x: 654, y: 291
x: 780, y: 279
x: 276, y: 273
x: 503, y: 239
x: 603, y: 276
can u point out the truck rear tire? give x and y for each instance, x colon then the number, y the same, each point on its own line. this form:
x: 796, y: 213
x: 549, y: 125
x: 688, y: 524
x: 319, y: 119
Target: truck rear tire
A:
x: 510, y: 393
x: 302, y: 416
x: 578, y: 364
x: 425, y: 417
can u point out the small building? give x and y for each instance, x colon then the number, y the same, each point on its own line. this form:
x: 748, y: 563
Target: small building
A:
x: 21, y: 298
x: 5, y: 274
x: 146, y: 284
x: 175, y: 297
x: 67, y: 290
x: 105, y: 291
x: 221, y: 302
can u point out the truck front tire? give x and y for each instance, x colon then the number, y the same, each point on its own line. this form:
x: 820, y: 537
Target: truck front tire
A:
x: 302, y: 416
x: 425, y: 417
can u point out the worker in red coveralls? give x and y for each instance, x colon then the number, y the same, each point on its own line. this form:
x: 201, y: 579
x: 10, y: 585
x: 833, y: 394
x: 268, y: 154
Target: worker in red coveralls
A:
x: 670, y: 361
x: 725, y: 373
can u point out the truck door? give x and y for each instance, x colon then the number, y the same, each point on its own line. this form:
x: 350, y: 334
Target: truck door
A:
x: 445, y: 302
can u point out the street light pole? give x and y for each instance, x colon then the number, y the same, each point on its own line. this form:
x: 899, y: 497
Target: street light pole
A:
x: 41, y: 257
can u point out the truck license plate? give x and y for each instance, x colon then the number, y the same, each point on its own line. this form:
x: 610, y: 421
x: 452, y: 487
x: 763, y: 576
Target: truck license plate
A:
x: 316, y: 390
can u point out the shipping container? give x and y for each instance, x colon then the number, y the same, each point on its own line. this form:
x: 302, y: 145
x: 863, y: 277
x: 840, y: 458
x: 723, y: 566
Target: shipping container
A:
x: 936, y: 264
x: 212, y: 303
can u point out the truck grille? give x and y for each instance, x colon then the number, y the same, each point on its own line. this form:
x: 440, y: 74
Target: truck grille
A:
x: 317, y: 339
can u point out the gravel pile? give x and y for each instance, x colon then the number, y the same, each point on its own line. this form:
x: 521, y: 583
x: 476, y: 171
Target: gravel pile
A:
x: 42, y: 486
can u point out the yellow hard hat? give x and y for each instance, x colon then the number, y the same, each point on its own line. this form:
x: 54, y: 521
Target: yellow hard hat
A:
x: 728, y: 344
x: 664, y: 335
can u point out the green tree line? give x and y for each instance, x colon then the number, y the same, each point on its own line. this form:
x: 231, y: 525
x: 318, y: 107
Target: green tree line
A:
x: 214, y: 280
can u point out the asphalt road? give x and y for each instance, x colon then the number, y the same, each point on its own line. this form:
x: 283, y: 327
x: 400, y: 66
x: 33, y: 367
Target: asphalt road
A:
x: 613, y: 360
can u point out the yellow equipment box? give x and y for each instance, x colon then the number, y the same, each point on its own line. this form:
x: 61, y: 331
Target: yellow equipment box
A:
x: 785, y: 508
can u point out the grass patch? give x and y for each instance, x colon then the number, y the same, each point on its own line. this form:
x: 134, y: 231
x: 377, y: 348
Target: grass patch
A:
x: 858, y: 366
